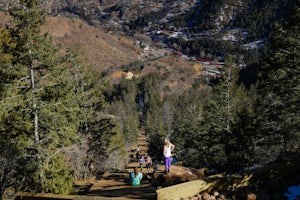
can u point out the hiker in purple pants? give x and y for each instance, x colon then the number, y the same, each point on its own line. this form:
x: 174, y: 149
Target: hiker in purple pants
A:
x: 168, y: 148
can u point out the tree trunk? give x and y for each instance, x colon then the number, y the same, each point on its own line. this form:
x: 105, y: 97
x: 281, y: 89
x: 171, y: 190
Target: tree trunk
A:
x: 36, y: 133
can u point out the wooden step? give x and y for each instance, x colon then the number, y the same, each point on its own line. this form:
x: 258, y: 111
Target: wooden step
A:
x: 144, y: 148
x: 142, y: 143
x: 142, y: 140
x: 132, y: 165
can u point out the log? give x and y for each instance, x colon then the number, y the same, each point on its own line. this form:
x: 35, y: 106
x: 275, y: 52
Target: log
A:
x: 192, y: 188
x: 183, y: 190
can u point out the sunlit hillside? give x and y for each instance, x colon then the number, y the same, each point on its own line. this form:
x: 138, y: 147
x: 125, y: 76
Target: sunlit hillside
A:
x: 101, y: 49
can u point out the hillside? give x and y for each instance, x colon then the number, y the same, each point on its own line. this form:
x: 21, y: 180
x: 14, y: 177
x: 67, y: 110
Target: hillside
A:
x: 101, y: 49
x: 117, y: 54
x: 108, y: 51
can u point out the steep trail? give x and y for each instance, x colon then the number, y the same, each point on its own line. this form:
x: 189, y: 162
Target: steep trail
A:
x: 115, y: 185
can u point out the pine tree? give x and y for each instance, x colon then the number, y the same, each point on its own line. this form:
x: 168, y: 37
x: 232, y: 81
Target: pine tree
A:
x: 8, y: 155
x: 39, y: 116
x: 154, y: 125
x: 100, y: 133
x: 123, y: 105
x: 279, y: 88
x: 168, y: 109
x: 189, y: 133
x: 222, y: 114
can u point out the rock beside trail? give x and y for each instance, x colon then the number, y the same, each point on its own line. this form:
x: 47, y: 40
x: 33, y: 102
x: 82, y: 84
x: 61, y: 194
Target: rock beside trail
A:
x: 177, y: 175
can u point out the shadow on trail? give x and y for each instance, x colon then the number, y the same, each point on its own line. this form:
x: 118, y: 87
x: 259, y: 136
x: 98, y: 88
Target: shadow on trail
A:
x: 129, y: 192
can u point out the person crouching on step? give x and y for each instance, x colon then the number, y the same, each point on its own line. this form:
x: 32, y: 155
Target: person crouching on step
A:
x: 135, y: 177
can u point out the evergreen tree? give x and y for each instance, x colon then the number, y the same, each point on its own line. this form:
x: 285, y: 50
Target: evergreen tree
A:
x: 123, y: 104
x: 279, y: 88
x: 39, y: 116
x: 168, y: 109
x: 154, y: 125
x: 189, y: 133
x: 222, y: 114
x: 8, y: 155
x: 100, y: 131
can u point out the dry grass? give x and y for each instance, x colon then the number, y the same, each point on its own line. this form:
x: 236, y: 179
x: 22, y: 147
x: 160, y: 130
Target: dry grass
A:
x: 101, y: 49
x: 178, y: 73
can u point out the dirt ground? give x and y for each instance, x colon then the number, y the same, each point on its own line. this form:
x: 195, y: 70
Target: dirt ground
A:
x: 116, y: 186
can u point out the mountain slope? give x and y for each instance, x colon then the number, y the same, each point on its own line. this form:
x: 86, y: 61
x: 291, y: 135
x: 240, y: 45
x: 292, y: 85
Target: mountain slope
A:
x: 101, y: 49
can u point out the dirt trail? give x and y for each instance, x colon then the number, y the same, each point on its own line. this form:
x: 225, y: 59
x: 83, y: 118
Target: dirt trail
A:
x: 115, y: 185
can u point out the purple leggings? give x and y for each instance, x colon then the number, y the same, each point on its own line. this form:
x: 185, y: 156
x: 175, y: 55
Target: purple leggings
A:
x: 167, y: 163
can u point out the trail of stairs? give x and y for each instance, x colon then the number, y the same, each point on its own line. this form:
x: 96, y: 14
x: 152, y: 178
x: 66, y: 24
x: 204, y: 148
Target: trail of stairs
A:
x: 142, y: 145
x: 116, y: 185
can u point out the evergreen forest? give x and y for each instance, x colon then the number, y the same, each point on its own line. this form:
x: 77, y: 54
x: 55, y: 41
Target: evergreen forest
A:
x: 58, y: 116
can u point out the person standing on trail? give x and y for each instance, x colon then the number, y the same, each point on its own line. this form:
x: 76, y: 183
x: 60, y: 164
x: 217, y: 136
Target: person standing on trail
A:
x: 141, y: 162
x: 135, y: 177
x: 168, y: 148
x: 137, y: 153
